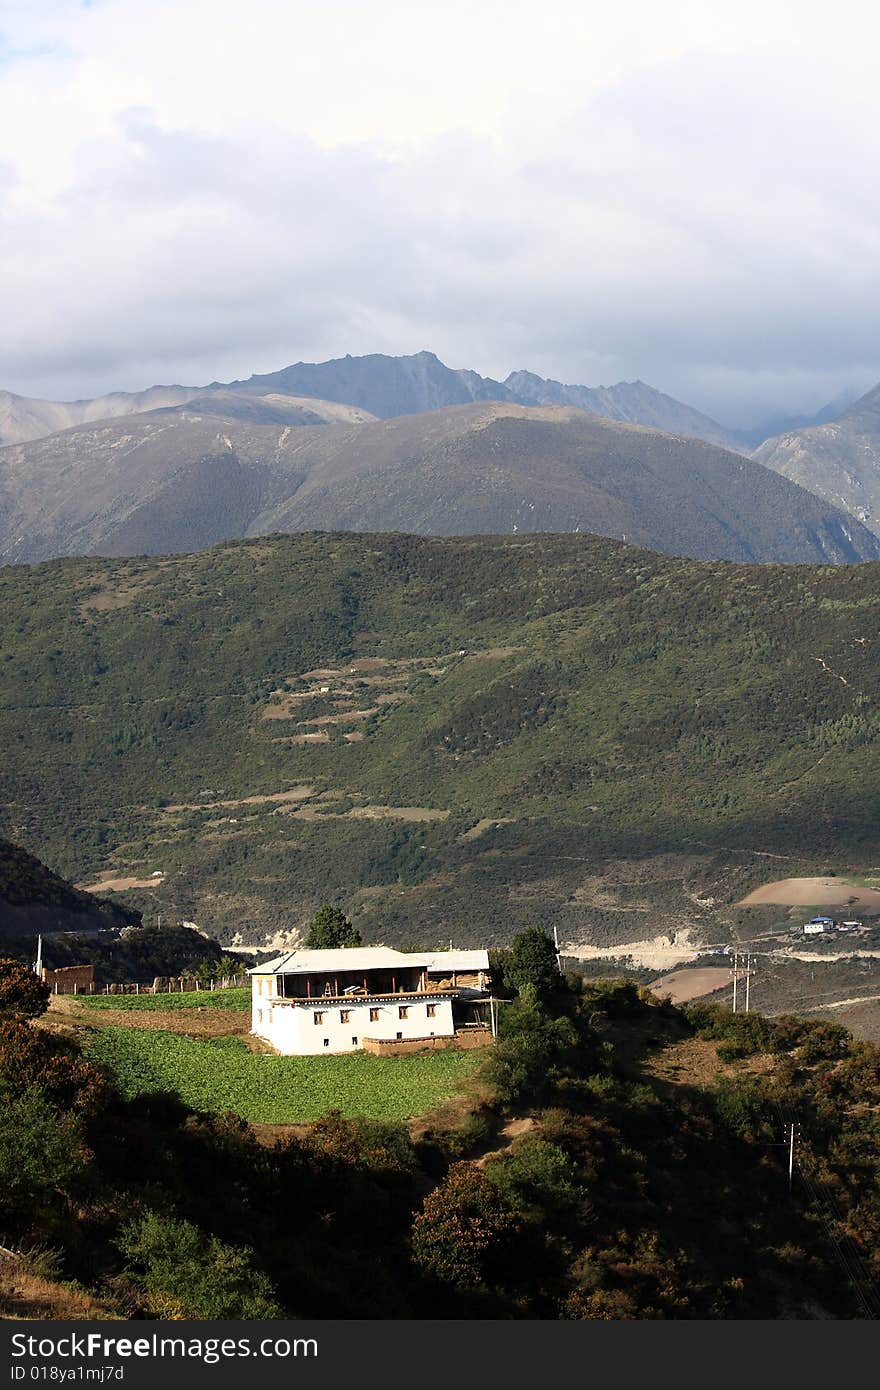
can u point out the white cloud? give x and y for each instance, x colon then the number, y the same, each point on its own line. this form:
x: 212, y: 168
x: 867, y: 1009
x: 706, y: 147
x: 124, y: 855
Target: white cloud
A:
x: 192, y: 190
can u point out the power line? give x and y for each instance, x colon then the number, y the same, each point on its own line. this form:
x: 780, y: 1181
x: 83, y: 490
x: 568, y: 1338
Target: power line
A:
x: 856, y: 1270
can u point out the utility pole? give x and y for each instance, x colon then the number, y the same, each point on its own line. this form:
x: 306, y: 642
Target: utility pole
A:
x: 556, y: 943
x: 748, y: 977
x: 735, y: 976
x: 791, y: 1156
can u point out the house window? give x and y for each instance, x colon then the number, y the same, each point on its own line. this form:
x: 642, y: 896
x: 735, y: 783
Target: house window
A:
x: 374, y: 1015
x: 399, y: 1036
x: 403, y: 1011
x: 344, y: 1015
x: 326, y: 1042
x: 432, y: 1010
x: 319, y: 1017
x: 354, y: 1042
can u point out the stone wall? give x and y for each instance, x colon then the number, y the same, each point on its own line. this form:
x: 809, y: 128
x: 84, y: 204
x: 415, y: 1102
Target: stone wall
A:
x: 174, y: 984
x: 70, y: 979
x: 393, y: 1047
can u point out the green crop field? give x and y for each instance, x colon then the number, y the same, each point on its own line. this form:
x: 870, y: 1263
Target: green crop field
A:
x: 237, y: 999
x: 222, y: 1074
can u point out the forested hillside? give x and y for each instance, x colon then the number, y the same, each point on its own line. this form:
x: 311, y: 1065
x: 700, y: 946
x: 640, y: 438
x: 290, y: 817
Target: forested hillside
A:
x: 33, y: 901
x: 448, y: 736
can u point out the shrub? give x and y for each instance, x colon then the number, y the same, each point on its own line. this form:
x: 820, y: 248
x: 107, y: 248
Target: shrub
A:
x: 743, y: 1034
x: 530, y: 1049
x: 465, y: 1235
x: 22, y: 995
x: 33, y: 1058
x: 188, y: 1274
x: 537, y: 1176
x: 41, y: 1152
x: 824, y: 1042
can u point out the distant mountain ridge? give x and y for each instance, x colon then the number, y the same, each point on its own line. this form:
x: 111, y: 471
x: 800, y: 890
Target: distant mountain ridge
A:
x: 838, y: 461
x: 631, y: 402
x: 380, y: 385
x: 773, y: 426
x: 184, y: 478
x: 392, y: 386
x: 23, y: 418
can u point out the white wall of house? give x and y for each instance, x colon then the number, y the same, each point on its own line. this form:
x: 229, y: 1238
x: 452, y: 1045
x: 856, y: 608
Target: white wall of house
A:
x: 294, y: 1031
x: 263, y: 988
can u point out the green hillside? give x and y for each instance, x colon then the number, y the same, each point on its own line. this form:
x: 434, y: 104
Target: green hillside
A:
x: 33, y: 901
x: 452, y: 737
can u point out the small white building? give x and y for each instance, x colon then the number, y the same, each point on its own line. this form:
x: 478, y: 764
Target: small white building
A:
x: 309, y: 1002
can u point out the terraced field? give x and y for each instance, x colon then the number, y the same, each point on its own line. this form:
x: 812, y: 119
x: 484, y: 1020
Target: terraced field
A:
x: 221, y: 1074
x: 234, y: 999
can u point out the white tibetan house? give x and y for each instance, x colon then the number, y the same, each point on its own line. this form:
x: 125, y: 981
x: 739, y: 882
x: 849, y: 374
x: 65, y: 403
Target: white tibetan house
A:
x: 311, y: 1002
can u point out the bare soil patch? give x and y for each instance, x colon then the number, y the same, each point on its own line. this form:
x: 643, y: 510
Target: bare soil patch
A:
x: 684, y: 985
x: 816, y: 892
x: 510, y: 1130
x: 66, y: 1012
x: 487, y: 823
x: 860, y: 1016
x: 653, y: 953
x: 493, y: 653
x: 293, y: 794
x: 107, y: 881
x: 348, y: 717
x: 284, y: 706
x: 695, y: 1062
x: 405, y: 813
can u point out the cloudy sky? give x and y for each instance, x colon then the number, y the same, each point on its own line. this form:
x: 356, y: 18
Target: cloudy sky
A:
x: 682, y: 192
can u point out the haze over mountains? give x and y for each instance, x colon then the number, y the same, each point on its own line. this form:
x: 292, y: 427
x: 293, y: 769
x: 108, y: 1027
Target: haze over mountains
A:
x: 407, y: 443
x: 380, y: 385
x: 839, y: 461
x: 239, y: 465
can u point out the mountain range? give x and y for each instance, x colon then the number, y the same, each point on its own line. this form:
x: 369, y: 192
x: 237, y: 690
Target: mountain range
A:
x: 407, y: 443
x: 838, y: 460
x: 236, y: 464
x: 379, y: 385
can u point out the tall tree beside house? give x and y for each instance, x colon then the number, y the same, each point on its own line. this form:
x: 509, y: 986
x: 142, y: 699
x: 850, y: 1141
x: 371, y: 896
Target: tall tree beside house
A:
x: 533, y: 963
x: 330, y: 928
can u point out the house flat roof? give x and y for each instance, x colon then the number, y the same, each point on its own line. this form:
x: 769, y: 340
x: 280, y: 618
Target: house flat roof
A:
x: 440, y: 961
x: 345, y: 958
